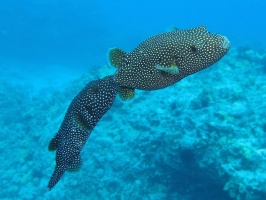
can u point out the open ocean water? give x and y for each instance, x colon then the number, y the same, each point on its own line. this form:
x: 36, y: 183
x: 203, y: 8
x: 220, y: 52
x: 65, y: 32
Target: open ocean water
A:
x: 200, y: 139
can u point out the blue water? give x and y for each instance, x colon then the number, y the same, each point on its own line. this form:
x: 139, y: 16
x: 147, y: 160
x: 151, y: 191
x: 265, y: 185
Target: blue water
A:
x: 68, y: 33
x: 152, y: 150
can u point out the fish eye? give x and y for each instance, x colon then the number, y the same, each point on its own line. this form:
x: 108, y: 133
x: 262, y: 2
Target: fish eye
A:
x: 193, y: 48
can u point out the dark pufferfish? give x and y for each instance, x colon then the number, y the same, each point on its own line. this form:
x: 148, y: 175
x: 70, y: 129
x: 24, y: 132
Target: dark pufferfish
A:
x: 84, y: 112
x: 164, y: 59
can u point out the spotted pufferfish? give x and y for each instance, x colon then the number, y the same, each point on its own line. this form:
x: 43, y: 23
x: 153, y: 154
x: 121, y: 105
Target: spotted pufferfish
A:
x: 164, y: 59
x: 158, y: 62
x: 84, y: 112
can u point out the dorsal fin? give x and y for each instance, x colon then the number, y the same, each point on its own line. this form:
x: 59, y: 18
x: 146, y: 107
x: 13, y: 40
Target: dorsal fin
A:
x: 172, y: 28
x: 53, y: 143
x: 116, y: 57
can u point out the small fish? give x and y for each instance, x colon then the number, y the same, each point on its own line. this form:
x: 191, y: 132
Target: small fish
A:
x: 164, y: 59
x: 84, y: 112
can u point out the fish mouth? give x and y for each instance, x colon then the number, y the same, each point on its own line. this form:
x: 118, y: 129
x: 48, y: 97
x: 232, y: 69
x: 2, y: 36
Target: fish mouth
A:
x: 225, y: 43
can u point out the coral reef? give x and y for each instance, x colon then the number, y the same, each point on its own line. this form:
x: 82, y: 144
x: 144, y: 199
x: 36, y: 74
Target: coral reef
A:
x: 203, y: 138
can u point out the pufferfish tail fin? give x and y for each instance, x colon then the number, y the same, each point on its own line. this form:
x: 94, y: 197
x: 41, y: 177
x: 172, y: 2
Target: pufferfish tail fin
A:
x: 116, y: 57
x: 126, y: 93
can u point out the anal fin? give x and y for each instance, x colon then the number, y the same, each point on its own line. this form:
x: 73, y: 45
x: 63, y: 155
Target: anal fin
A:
x: 126, y: 93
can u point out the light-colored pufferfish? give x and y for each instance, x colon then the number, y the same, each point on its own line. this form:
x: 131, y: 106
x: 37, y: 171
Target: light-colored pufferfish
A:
x: 164, y: 59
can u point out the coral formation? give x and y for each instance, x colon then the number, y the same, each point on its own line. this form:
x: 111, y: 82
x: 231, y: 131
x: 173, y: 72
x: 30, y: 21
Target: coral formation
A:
x: 203, y: 137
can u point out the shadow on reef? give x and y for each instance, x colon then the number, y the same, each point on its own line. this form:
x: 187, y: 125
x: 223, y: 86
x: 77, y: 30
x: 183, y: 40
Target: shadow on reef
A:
x: 189, y: 181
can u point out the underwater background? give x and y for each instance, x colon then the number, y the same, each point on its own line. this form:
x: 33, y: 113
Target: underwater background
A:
x: 200, y: 139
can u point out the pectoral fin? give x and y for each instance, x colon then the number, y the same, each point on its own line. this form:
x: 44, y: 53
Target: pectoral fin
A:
x: 173, y: 69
